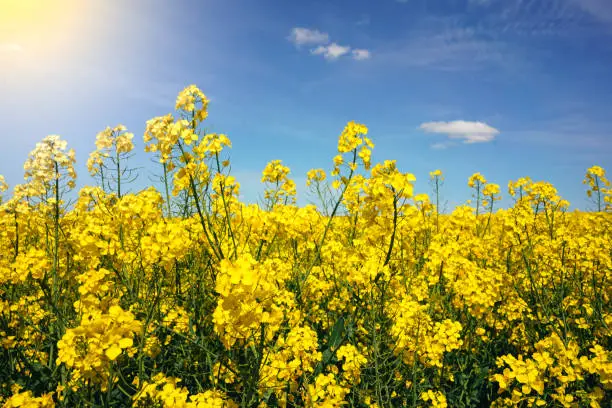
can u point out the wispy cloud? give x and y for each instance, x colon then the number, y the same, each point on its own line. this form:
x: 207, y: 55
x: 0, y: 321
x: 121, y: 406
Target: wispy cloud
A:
x: 10, y: 47
x: 364, y: 20
x: 468, y: 132
x: 330, y: 51
x: 305, y: 36
x: 561, y: 18
x: 454, y: 43
x: 599, y: 9
x: 438, y: 46
x: 361, y: 54
x: 440, y: 145
x: 573, y: 130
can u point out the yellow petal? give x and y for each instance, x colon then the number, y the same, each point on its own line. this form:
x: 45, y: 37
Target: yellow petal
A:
x: 125, y: 343
x: 113, y: 352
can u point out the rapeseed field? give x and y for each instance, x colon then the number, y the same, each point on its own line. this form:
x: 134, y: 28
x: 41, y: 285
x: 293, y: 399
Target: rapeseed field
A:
x: 181, y: 295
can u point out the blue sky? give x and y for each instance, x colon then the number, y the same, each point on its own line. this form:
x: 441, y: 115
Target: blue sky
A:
x: 528, y: 82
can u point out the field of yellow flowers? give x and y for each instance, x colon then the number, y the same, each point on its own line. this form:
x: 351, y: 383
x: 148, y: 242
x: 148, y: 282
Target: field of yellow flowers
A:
x: 183, y: 296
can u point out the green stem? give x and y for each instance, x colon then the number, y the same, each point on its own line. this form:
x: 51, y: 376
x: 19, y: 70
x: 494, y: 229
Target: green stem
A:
x: 227, y: 213
x: 388, y: 257
x: 166, y: 189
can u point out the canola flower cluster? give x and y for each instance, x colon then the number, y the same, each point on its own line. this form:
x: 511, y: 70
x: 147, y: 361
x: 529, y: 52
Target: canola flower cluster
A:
x: 180, y: 295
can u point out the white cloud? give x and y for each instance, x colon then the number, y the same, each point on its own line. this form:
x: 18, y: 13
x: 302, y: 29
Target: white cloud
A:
x: 361, y: 55
x: 332, y: 51
x: 469, y: 132
x: 300, y: 36
x: 10, y: 48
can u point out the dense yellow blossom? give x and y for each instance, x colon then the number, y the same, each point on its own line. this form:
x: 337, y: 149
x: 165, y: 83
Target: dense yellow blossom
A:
x: 27, y: 400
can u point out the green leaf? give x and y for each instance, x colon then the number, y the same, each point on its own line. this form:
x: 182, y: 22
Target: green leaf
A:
x: 333, y: 342
x: 336, y: 335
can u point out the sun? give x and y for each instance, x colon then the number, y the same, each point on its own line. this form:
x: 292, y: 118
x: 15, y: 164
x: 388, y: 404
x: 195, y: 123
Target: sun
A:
x: 23, y: 16
x: 40, y: 27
